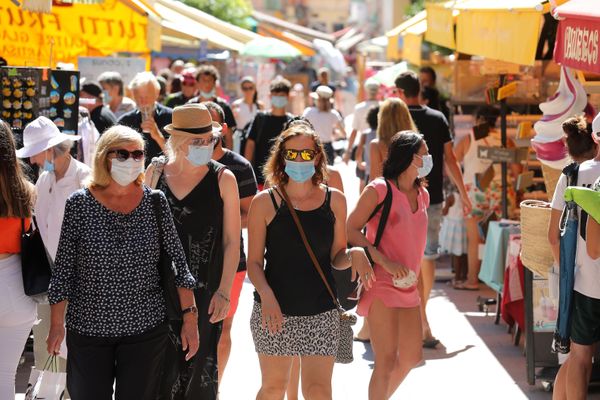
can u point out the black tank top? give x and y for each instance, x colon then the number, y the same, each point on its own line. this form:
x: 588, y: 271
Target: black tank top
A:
x: 289, y: 270
x: 199, y: 221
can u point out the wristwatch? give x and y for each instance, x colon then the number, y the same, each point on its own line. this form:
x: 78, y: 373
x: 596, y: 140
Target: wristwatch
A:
x: 191, y: 309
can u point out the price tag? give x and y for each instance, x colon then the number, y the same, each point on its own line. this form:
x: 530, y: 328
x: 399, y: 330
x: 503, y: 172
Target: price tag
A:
x: 507, y: 90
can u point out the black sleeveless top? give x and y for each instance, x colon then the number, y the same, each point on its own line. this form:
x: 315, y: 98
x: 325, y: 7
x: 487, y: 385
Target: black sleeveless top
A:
x: 289, y: 270
x: 199, y: 221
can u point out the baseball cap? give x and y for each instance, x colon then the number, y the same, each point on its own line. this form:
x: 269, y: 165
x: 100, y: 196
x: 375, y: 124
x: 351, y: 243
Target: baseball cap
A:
x: 92, y: 88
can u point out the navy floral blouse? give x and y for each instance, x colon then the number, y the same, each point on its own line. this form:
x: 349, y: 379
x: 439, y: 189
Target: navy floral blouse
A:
x: 107, y: 266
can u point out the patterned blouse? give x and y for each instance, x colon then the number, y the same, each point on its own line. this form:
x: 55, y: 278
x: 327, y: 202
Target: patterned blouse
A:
x: 107, y: 266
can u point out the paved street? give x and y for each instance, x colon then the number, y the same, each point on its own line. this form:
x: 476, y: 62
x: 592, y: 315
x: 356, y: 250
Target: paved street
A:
x: 476, y: 359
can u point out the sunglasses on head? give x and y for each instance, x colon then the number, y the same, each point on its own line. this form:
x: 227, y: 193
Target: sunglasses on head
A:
x: 204, y: 141
x: 247, y: 88
x: 123, y: 155
x: 306, y: 154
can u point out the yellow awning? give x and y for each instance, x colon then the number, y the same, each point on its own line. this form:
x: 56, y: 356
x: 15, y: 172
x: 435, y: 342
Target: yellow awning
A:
x: 440, y: 23
x: 72, y: 31
x: 304, y: 46
x: 407, y: 32
x: 177, y: 25
x: 505, y: 30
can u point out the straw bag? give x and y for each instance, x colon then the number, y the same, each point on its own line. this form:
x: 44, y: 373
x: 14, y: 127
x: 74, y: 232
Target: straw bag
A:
x: 536, y: 252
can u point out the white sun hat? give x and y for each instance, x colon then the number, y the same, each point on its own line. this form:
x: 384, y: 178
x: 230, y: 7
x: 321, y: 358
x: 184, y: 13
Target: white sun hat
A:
x: 39, y: 135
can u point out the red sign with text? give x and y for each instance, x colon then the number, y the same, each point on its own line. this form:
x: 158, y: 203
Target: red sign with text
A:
x: 577, y: 44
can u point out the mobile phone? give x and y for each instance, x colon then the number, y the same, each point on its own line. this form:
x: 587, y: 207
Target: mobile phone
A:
x: 481, y: 131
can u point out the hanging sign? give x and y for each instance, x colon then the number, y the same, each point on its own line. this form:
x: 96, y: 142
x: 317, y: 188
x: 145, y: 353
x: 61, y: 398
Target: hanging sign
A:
x: 577, y: 44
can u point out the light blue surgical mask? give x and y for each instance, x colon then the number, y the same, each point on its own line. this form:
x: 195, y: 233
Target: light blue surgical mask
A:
x: 299, y: 171
x: 200, y: 155
x: 427, y: 165
x: 279, y: 101
x: 106, y: 98
x: 48, y: 166
x: 208, y: 95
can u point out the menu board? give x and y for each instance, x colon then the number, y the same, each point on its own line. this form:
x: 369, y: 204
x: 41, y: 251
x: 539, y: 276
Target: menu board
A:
x: 28, y: 93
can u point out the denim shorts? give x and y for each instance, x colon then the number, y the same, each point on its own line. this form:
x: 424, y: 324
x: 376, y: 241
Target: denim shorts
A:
x: 434, y: 215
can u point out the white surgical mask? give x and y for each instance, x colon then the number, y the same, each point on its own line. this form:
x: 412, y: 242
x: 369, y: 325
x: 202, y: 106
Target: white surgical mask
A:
x: 427, y: 165
x: 125, y: 172
x: 200, y: 155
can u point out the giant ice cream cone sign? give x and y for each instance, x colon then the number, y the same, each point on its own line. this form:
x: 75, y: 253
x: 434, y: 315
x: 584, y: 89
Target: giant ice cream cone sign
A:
x: 569, y: 100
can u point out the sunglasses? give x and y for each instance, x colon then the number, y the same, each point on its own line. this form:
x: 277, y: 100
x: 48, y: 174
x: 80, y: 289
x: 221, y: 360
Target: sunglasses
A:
x: 306, y: 154
x: 204, y: 142
x: 247, y: 88
x: 123, y: 155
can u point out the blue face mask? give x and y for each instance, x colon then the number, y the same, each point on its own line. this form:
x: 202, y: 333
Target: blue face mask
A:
x: 106, y: 98
x: 427, y: 165
x: 48, y: 166
x: 279, y: 101
x: 299, y: 171
x: 200, y: 155
x: 208, y: 95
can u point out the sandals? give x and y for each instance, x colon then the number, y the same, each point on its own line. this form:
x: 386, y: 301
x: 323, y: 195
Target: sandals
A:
x: 430, y: 343
x: 463, y: 286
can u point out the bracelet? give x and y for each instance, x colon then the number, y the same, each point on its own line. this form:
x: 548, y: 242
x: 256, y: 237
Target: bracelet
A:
x: 221, y: 295
x: 368, y: 254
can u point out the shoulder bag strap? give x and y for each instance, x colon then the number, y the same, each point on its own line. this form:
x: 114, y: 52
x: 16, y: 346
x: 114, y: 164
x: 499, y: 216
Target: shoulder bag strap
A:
x: 307, y: 245
x: 385, y: 213
x: 158, y: 213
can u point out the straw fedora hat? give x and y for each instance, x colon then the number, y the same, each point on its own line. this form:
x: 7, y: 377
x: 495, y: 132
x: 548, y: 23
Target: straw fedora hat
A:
x: 192, y: 120
x: 40, y: 135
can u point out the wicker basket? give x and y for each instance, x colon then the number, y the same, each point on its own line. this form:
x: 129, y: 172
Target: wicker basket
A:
x: 551, y: 177
x: 536, y: 253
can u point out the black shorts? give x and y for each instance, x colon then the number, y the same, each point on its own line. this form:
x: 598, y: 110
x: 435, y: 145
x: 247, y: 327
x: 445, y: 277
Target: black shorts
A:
x: 585, y: 328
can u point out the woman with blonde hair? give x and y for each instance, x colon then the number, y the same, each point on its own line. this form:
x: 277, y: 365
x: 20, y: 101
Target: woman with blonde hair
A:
x: 293, y: 305
x: 107, y: 270
x: 393, y: 117
x: 18, y: 312
x: 203, y: 196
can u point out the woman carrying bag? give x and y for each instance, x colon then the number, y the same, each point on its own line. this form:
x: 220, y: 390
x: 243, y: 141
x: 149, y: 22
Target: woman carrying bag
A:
x: 107, y: 270
x: 391, y: 306
x: 293, y: 305
x: 17, y: 311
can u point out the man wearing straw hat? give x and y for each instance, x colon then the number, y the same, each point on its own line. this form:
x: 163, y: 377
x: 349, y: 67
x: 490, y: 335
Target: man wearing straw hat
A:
x: 574, y: 375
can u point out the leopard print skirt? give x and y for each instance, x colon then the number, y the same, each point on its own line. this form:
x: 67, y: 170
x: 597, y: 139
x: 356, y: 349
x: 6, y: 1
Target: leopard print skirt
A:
x: 313, y: 335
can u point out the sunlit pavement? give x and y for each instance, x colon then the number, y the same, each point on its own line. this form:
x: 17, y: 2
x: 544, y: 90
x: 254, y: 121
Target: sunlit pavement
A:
x: 475, y: 360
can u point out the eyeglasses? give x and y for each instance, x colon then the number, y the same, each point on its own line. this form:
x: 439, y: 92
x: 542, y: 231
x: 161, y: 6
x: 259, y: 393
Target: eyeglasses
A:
x: 306, y: 154
x: 204, y: 142
x: 123, y: 155
x: 247, y: 88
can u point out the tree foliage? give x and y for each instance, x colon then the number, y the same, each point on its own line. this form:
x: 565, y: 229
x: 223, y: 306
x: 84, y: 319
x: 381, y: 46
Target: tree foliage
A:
x: 232, y: 11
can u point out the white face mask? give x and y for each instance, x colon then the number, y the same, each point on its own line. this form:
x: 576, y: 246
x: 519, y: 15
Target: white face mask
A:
x: 125, y: 172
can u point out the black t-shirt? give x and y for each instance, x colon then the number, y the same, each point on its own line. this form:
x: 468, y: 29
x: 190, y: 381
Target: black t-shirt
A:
x: 162, y: 117
x: 176, y: 99
x: 103, y: 118
x: 264, y: 128
x: 229, y: 118
x: 247, y: 186
x: 434, y: 126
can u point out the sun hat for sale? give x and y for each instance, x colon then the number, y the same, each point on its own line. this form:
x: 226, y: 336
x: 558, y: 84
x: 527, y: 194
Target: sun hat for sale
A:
x: 192, y: 120
x: 323, y: 92
x: 40, y: 135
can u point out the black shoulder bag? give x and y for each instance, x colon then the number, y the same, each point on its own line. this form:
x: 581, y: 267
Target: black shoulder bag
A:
x: 36, y: 263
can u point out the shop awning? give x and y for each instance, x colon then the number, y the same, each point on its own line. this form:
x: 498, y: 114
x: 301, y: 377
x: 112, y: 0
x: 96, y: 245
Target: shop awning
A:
x: 347, y: 44
x: 305, y: 47
x: 290, y: 27
x: 578, y: 35
x: 224, y: 29
x: 405, y: 40
x: 72, y: 31
x: 179, y: 26
x: 440, y: 23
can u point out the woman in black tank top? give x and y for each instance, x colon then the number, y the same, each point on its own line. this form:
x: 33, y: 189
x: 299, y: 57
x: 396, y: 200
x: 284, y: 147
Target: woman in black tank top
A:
x: 293, y: 313
x: 204, y: 199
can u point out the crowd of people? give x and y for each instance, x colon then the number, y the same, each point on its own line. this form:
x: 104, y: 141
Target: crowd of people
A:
x: 165, y: 182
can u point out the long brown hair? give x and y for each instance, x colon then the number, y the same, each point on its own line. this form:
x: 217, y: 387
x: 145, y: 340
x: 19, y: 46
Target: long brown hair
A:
x: 16, y: 192
x: 274, y: 169
x: 393, y: 117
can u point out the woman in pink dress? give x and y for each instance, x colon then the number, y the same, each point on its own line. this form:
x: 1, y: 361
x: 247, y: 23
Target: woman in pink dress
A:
x: 391, y: 303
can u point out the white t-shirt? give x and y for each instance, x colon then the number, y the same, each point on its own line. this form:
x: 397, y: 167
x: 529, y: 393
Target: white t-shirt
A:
x: 323, y: 122
x: 587, y: 270
x: 243, y: 112
x: 51, y: 199
x: 359, y: 122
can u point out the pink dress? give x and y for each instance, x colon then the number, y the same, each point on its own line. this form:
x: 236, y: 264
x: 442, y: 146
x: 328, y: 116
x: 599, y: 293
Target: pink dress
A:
x: 403, y: 241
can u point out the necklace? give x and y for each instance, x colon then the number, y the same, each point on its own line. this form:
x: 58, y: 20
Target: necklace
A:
x: 297, y: 202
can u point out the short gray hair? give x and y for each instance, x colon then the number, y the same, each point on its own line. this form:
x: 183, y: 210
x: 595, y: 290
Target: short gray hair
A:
x: 143, y: 79
x: 62, y: 148
x: 112, y: 78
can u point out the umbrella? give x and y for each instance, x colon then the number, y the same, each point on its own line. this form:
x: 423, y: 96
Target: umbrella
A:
x: 267, y: 47
x: 388, y: 76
